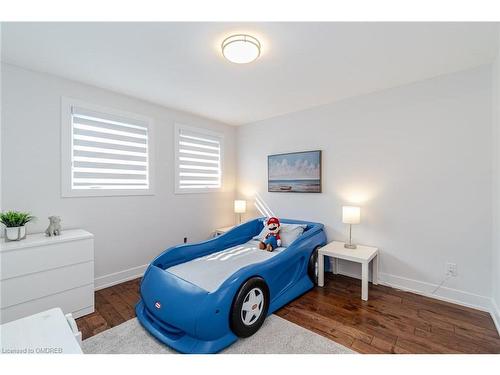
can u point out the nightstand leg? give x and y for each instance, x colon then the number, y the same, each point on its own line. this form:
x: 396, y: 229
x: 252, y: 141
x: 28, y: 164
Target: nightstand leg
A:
x: 335, y: 266
x: 364, y: 281
x: 375, y: 270
x: 321, y: 270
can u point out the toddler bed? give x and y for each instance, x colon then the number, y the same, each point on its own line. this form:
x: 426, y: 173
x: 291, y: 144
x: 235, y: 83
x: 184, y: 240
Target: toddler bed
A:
x: 199, y: 298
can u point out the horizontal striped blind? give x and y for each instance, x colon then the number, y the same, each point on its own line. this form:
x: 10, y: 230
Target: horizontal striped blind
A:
x: 198, y: 160
x: 108, y: 152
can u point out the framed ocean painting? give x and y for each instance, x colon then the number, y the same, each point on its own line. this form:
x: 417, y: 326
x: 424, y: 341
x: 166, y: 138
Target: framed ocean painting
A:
x: 295, y: 172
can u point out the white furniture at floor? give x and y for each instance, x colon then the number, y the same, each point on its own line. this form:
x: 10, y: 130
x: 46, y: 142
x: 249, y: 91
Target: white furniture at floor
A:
x: 223, y: 230
x: 40, y: 273
x: 362, y: 254
x: 48, y: 332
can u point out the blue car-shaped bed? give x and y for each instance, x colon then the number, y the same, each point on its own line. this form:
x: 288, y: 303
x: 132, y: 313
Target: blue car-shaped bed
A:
x: 199, y: 298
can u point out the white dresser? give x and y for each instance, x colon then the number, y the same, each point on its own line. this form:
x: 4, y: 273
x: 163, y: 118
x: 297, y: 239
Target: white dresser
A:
x: 40, y: 273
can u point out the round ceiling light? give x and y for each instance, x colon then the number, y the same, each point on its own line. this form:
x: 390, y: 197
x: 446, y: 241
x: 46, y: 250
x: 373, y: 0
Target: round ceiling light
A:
x: 241, y: 48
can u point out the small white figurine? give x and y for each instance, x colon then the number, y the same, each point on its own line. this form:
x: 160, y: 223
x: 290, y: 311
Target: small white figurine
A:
x: 54, y: 228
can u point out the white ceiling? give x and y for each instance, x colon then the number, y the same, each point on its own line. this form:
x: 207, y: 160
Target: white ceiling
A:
x: 302, y: 65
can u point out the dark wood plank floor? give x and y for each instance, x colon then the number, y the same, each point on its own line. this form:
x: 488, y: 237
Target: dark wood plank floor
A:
x: 391, y: 321
x: 113, y: 306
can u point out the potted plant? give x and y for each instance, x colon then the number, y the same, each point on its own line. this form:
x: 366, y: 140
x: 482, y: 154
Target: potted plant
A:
x: 15, y: 222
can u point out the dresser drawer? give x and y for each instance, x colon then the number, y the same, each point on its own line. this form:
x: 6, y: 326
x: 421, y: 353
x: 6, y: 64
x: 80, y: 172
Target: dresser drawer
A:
x: 29, y: 260
x: 36, y: 285
x: 78, y: 301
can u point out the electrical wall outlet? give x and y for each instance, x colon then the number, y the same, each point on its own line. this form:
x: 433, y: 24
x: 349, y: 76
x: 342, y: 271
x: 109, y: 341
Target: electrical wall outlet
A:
x: 451, y: 269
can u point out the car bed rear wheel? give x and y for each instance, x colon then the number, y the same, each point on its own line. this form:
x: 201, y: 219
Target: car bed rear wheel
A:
x: 312, y: 268
x: 249, y: 307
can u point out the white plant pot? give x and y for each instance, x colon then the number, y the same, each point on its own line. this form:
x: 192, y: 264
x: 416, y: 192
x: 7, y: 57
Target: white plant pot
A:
x: 15, y: 233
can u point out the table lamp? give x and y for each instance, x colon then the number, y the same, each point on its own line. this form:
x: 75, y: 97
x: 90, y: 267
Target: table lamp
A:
x: 240, y: 207
x: 351, y: 215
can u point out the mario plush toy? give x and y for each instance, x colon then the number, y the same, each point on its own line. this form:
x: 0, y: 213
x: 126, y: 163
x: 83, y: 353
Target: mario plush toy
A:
x: 272, y: 238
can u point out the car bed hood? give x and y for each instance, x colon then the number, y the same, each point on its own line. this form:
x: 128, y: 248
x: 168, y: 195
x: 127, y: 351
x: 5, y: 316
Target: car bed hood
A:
x: 171, y: 299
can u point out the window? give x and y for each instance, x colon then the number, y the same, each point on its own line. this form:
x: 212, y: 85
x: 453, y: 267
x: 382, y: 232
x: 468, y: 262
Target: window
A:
x: 198, y: 158
x: 104, y: 152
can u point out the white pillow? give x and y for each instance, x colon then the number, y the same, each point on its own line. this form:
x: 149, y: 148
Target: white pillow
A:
x: 262, y: 233
x: 288, y: 233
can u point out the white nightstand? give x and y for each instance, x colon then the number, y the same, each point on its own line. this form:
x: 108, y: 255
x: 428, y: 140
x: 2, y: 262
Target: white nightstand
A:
x: 223, y: 230
x: 362, y: 254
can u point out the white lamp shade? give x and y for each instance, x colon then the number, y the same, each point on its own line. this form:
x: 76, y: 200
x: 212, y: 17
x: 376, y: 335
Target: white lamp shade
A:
x: 240, y: 206
x: 351, y: 215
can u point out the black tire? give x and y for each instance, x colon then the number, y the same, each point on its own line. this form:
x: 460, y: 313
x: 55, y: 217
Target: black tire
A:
x: 238, y: 326
x: 312, y: 267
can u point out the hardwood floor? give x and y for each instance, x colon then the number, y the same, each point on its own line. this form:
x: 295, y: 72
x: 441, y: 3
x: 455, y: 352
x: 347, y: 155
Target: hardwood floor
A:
x: 113, y: 306
x: 391, y: 321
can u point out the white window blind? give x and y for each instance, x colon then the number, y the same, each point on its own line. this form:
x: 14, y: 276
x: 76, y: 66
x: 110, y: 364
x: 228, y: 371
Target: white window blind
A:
x: 198, y: 160
x: 108, y: 152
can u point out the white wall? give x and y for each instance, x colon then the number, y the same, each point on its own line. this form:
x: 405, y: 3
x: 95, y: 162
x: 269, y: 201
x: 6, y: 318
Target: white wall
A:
x: 496, y: 191
x: 416, y: 158
x: 1, y: 111
x: 129, y: 231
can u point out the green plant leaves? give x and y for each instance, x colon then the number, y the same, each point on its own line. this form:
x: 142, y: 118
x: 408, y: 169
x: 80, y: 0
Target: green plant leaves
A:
x: 15, y: 218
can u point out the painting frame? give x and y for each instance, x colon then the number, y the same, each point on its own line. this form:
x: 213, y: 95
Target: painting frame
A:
x: 315, y: 188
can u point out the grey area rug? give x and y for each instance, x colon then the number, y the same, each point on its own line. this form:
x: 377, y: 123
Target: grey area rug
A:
x: 276, y: 336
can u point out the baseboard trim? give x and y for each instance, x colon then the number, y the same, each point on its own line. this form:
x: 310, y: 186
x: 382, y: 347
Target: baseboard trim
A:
x: 495, y: 314
x: 425, y: 289
x: 446, y: 294
x: 111, y: 279
x: 82, y: 312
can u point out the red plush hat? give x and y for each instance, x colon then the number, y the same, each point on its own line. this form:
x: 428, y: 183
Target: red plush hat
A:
x: 273, y: 220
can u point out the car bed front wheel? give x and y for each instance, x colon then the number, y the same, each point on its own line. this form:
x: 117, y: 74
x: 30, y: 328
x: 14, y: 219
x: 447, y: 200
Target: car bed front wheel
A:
x: 249, y: 307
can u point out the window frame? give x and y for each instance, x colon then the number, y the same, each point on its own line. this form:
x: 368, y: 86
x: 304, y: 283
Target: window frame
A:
x: 67, y: 151
x: 203, y: 131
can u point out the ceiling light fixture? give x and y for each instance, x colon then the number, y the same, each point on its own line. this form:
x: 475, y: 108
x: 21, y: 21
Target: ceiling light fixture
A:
x: 241, y: 48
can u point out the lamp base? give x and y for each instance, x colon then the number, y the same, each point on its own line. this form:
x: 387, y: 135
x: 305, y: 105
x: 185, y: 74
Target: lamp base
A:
x: 351, y: 246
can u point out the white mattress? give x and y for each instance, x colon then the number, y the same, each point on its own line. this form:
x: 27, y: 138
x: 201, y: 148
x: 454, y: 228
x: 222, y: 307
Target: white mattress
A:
x: 210, y: 271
